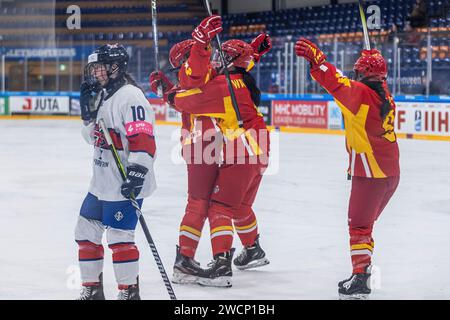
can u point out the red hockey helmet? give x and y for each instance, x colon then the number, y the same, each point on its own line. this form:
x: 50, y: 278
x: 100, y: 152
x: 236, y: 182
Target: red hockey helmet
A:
x: 239, y: 53
x: 371, y: 65
x: 179, y: 52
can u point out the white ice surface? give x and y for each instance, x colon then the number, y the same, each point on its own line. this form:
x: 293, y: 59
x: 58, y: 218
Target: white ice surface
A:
x: 46, y: 167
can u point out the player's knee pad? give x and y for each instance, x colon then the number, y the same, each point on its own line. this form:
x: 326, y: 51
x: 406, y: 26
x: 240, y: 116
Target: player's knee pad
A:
x: 89, y: 230
x: 121, y: 242
x: 192, y: 224
x: 361, y: 235
x: 244, y: 212
x: 197, y: 206
x: 218, y: 211
x: 357, y: 230
x: 114, y: 236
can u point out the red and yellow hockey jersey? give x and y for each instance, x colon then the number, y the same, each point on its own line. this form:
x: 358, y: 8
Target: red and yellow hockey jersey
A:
x: 371, y: 141
x: 196, y: 72
x: 213, y: 100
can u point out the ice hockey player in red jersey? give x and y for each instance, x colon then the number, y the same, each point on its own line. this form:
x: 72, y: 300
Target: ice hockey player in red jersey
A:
x: 369, y: 112
x: 192, y: 57
x: 109, y: 93
x: 245, y: 157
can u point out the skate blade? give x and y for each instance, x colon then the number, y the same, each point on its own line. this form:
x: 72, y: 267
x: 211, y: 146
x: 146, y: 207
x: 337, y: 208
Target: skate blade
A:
x: 182, y: 278
x: 358, y: 296
x: 220, y: 282
x: 254, y: 264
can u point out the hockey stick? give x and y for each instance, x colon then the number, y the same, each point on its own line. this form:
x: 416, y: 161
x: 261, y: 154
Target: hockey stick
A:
x: 150, y: 241
x: 227, y: 74
x: 364, y: 25
x: 155, y: 40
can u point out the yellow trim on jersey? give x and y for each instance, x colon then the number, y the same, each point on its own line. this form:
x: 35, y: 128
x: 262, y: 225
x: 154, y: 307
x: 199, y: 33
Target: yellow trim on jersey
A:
x: 355, y: 128
x: 343, y: 80
x: 250, y: 66
x: 253, y: 144
x: 246, y: 227
x: 222, y: 228
x: 227, y: 120
x: 191, y: 230
x: 238, y: 84
x: 257, y: 111
x: 376, y: 170
x: 208, y: 76
x: 361, y: 246
x: 188, y: 93
x: 188, y: 70
x: 357, y: 139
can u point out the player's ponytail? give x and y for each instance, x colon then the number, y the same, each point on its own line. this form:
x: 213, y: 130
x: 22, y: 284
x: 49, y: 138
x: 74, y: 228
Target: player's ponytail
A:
x: 250, y: 82
x: 382, y: 92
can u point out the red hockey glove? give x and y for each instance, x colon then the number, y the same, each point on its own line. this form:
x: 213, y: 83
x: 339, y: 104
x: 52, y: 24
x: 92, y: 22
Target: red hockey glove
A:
x: 207, y: 29
x: 158, y: 78
x: 308, y: 50
x: 261, y: 45
x: 169, y: 97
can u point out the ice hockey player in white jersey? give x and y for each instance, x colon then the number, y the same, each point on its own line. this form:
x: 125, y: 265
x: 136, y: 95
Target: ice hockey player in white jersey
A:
x: 110, y: 93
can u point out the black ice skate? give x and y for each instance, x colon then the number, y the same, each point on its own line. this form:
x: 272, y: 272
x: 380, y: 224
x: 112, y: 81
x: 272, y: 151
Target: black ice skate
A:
x: 129, y: 292
x: 251, y: 257
x: 357, y: 287
x: 93, y: 292
x: 219, y: 272
x: 185, y: 270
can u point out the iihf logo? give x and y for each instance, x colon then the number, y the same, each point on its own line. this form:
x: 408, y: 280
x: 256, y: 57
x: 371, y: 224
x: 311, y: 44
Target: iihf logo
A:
x: 118, y: 216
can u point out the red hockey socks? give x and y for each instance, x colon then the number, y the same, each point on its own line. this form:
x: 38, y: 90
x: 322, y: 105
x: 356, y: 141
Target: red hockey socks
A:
x: 361, y: 248
x: 125, y: 262
x: 221, y: 227
x: 90, y: 256
x: 192, y: 225
x: 246, y: 225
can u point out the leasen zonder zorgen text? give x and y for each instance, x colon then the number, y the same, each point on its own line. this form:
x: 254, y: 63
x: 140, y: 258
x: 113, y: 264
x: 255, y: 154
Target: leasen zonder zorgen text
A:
x: 226, y: 309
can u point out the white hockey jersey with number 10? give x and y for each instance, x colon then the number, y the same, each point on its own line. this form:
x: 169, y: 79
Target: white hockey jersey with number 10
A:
x: 130, y: 121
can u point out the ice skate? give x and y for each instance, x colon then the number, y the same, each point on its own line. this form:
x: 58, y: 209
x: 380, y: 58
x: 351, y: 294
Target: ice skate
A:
x: 251, y: 257
x: 357, y: 287
x: 219, y: 272
x: 93, y: 291
x: 185, y: 270
x: 130, y: 292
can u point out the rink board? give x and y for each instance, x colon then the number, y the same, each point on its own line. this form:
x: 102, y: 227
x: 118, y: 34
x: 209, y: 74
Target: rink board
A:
x: 417, y: 117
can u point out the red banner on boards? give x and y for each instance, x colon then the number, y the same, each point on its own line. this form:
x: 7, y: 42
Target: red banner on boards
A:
x: 297, y: 113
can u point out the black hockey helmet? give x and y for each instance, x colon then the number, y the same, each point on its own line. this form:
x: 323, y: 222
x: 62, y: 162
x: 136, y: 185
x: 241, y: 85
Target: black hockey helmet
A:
x: 113, y: 57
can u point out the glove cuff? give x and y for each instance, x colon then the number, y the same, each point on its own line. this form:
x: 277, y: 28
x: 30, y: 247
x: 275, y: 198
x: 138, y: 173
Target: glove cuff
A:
x: 136, y: 171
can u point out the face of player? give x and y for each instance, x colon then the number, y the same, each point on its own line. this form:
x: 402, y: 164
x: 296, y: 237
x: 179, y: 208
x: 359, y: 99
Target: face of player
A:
x: 98, y: 71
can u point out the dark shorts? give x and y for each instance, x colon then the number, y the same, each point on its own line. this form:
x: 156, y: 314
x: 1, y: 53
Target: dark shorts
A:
x: 116, y: 214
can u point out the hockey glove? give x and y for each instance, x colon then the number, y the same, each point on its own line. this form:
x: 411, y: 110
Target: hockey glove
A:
x: 308, y: 50
x: 261, y: 45
x: 207, y: 29
x: 87, y: 95
x: 135, y: 181
x: 158, y: 78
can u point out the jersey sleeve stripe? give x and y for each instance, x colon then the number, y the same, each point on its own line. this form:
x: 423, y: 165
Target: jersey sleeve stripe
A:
x: 142, y: 143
